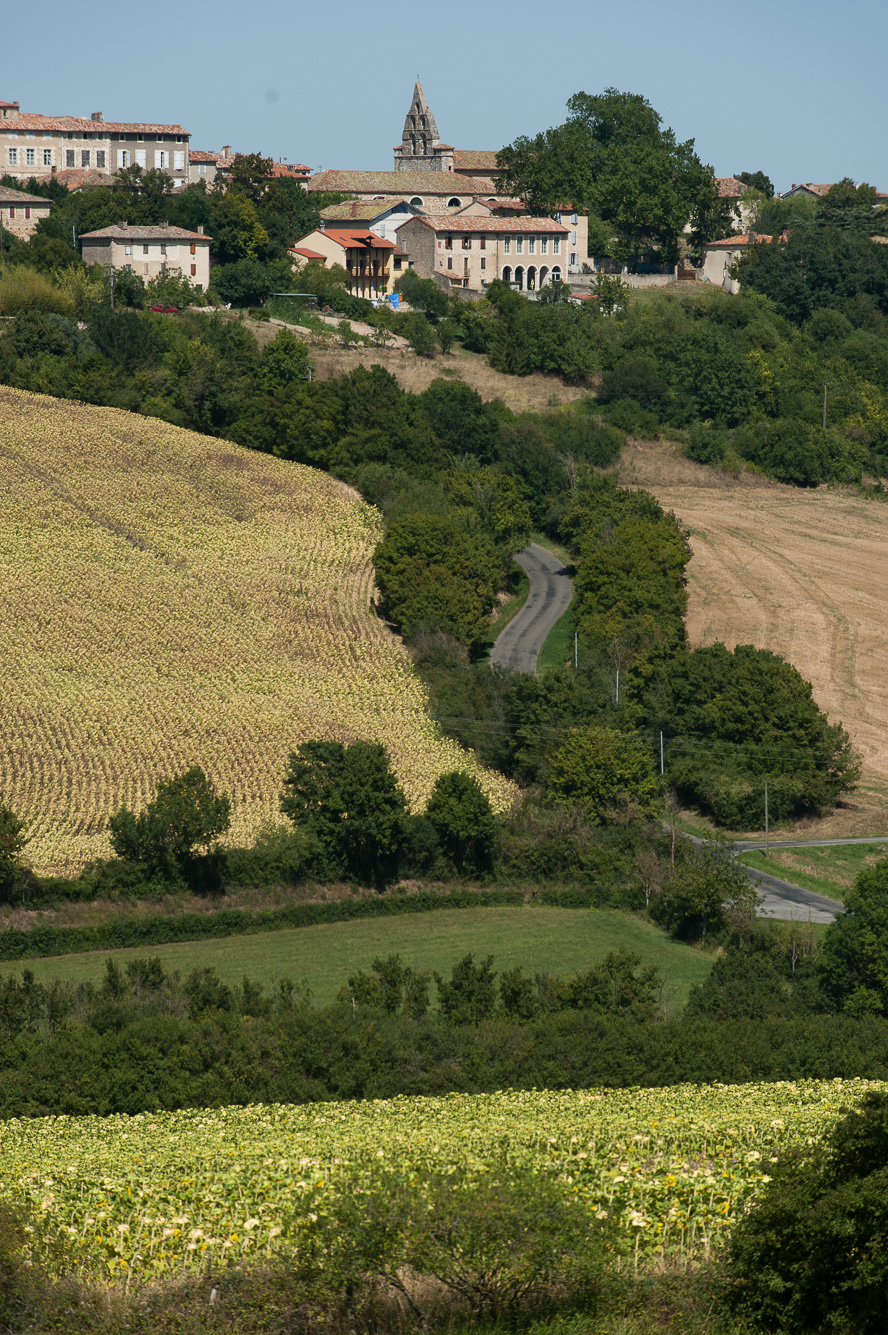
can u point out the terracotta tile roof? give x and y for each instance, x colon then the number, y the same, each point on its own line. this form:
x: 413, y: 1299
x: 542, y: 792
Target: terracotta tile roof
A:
x: 400, y: 183
x: 27, y: 120
x: 306, y: 253
x: 10, y: 196
x: 474, y: 158
x: 8, y: 104
x: 201, y: 155
x: 729, y: 187
x: 741, y: 239
x: 463, y: 222
x: 75, y: 178
x: 297, y: 169
x: 362, y: 208
x: 359, y: 236
x: 140, y: 232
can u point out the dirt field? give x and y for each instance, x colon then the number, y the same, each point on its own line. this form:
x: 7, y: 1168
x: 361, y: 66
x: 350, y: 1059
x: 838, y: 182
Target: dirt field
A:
x: 804, y: 573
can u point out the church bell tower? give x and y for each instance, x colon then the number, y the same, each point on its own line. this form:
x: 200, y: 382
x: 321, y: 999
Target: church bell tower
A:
x: 420, y: 150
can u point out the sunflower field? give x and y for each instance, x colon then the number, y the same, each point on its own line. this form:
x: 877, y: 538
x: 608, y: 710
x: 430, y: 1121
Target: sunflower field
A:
x: 171, y: 600
x: 154, y: 1195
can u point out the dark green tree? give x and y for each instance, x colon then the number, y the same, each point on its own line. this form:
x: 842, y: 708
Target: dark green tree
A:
x: 611, y: 773
x: 854, y: 955
x: 13, y: 838
x: 471, y: 992
x: 178, y: 830
x: 460, y: 813
x: 757, y: 181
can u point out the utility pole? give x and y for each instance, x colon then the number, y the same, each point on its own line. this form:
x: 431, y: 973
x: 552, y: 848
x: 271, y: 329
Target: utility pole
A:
x: 576, y: 655
x: 661, y: 753
x: 111, y: 280
x: 618, y: 686
x: 766, y: 819
x: 825, y: 383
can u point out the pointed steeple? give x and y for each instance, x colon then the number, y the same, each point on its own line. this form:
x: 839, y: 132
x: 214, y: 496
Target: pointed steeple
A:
x: 420, y: 130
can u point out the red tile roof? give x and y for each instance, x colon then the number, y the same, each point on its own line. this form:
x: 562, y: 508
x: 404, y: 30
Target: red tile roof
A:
x: 75, y: 178
x: 400, y: 183
x: 10, y: 196
x: 298, y: 169
x: 142, y: 232
x: 741, y: 239
x: 362, y: 237
x: 729, y: 187
x: 27, y: 120
x: 465, y: 222
x: 201, y: 155
x: 465, y: 159
x: 306, y: 253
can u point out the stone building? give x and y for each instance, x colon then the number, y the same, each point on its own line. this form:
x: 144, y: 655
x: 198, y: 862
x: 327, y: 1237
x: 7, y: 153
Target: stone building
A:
x: 39, y: 146
x: 471, y: 250
x: 373, y: 262
x: 150, y: 250
x: 20, y: 213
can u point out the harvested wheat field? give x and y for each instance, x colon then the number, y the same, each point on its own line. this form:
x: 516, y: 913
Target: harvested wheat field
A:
x: 804, y: 573
x: 170, y: 600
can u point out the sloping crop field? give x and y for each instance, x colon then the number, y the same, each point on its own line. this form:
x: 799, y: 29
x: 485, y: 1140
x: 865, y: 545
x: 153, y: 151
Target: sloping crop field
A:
x: 147, y: 1196
x: 803, y: 573
x: 166, y: 600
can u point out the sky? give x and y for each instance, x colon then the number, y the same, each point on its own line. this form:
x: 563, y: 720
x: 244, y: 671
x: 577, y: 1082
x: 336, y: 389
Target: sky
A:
x: 796, y: 90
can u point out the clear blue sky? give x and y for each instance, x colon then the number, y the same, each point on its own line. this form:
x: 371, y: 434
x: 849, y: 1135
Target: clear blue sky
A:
x: 794, y: 89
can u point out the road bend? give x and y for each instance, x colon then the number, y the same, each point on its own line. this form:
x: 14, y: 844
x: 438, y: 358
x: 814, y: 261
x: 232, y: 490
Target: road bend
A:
x: 551, y: 590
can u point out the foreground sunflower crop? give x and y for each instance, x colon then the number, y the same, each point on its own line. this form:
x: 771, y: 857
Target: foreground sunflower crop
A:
x: 147, y: 1196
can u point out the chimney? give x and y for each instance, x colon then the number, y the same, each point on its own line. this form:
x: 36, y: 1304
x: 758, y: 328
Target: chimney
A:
x: 227, y: 151
x: 96, y: 116
x: 200, y: 228
x: 124, y: 222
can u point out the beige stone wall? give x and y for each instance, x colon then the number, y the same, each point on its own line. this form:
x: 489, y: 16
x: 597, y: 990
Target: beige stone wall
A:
x: 151, y: 257
x: 577, y: 244
x: 21, y: 219
x: 39, y: 153
x: 716, y: 262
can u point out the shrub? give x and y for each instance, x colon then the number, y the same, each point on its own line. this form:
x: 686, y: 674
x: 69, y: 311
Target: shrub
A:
x: 24, y: 289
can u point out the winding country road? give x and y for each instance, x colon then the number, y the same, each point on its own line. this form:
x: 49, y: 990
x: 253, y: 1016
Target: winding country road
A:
x: 551, y: 590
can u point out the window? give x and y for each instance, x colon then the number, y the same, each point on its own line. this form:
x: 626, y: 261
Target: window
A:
x: 47, y: 157
x: 448, y: 243
x: 573, y: 258
x: 84, y: 157
x: 507, y: 245
x: 144, y: 249
x: 558, y: 217
x: 27, y: 210
x: 29, y: 157
x: 556, y: 245
x: 544, y: 245
x: 163, y: 249
x: 531, y: 245
x: 519, y: 245
x: 69, y: 157
x: 141, y: 158
x: 100, y: 157
x: 194, y: 248
x: 13, y: 157
x: 482, y: 242
x: 483, y: 261
x: 128, y: 250
x: 453, y: 203
x: 450, y: 262
x: 162, y: 158
x: 123, y: 157
x: 573, y: 219
x: 467, y: 243
x: 202, y: 169
x: 140, y: 139
x: 573, y: 238
x: 193, y: 270
x: 179, y: 139
x: 12, y: 210
x: 465, y: 265
x: 179, y: 162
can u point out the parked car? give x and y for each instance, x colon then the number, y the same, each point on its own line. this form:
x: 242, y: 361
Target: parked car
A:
x: 160, y: 309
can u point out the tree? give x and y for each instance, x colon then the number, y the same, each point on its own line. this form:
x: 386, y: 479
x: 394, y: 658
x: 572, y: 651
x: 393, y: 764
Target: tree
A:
x: 609, y: 772
x: 283, y: 361
x: 757, y: 181
x: 423, y: 294
x: 810, y: 1254
x: 187, y: 814
x: 350, y: 800
x: 462, y: 819
x: 470, y: 995
x: 818, y: 267
x: 612, y: 158
x: 854, y: 955
x: 12, y: 841
x: 460, y: 418
x: 420, y: 334
x: 237, y: 232
x: 706, y: 881
x: 250, y: 173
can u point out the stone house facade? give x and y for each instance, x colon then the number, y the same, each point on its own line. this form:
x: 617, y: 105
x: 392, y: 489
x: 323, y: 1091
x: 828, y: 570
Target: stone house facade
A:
x: 374, y: 263
x: 39, y: 146
x: 20, y: 213
x: 150, y: 250
x: 470, y: 251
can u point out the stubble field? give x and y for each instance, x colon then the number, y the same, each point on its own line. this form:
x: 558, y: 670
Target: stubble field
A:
x: 800, y: 572
x: 167, y: 599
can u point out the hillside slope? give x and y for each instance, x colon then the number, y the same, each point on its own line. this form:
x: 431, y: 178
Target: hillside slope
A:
x: 170, y: 599
x: 801, y: 572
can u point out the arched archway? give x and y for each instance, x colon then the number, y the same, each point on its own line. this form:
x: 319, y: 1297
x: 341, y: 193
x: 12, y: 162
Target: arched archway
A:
x: 531, y: 277
x: 544, y: 274
x: 417, y: 201
x: 519, y: 277
x: 556, y: 275
x: 454, y: 203
x: 507, y: 274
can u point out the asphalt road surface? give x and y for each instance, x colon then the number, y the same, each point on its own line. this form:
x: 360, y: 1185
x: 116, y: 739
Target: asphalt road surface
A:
x: 551, y: 590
